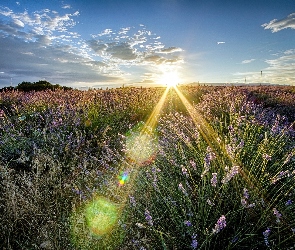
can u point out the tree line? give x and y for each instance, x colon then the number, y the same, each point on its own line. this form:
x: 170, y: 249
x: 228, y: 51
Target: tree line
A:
x: 35, y: 86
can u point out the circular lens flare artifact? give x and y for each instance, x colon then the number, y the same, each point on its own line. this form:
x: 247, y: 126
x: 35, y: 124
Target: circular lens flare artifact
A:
x: 123, y: 178
x: 101, y: 216
x: 141, y: 144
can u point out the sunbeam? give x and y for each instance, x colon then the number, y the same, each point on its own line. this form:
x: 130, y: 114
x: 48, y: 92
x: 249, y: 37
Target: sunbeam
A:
x: 211, y: 137
x: 102, y: 214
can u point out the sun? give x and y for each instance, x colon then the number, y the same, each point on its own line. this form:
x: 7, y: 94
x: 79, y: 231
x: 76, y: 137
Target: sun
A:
x: 169, y: 78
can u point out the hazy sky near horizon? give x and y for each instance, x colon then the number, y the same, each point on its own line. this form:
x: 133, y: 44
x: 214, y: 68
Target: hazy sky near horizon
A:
x: 114, y: 42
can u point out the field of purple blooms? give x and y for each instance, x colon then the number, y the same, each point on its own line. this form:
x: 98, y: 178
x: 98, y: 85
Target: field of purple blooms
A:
x: 222, y: 178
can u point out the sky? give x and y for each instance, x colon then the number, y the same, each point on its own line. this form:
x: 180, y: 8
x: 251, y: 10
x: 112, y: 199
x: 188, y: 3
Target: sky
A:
x: 111, y: 43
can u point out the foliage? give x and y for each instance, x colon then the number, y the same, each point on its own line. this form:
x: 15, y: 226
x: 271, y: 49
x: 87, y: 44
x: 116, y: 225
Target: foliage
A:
x: 61, y: 150
x: 39, y: 86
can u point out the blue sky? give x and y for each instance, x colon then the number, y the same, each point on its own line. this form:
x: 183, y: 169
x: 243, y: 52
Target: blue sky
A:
x: 103, y: 43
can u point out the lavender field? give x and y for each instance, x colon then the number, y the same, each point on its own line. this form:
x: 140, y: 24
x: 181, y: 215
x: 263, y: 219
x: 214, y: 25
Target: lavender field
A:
x: 189, y: 167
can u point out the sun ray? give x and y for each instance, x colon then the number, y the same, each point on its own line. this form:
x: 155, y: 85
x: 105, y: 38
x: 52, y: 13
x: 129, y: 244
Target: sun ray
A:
x: 210, y: 136
x: 102, y: 214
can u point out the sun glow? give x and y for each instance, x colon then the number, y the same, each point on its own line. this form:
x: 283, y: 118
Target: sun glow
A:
x: 169, y: 78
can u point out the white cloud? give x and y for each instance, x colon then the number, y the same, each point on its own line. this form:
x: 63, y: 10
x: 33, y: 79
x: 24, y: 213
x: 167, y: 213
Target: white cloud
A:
x: 281, y: 69
x: 105, y: 32
x: 66, y: 6
x: 248, y: 61
x: 220, y: 42
x: 44, y: 22
x: 124, y: 31
x: 140, y: 47
x: 170, y: 50
x: 277, y: 25
x: 5, y: 11
x: 18, y: 23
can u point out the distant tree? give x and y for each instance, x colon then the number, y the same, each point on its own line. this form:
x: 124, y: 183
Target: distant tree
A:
x: 5, y: 89
x: 39, y: 86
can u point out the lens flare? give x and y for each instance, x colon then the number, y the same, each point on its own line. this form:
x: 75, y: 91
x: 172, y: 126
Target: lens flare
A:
x: 141, y: 144
x: 123, y: 178
x: 101, y: 216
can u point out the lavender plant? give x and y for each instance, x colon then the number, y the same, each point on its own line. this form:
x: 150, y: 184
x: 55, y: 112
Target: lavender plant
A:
x: 58, y: 156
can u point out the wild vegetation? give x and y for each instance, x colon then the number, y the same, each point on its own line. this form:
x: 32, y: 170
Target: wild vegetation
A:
x: 35, y: 86
x: 113, y: 169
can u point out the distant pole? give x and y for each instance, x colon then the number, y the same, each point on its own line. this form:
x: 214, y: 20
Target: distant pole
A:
x: 260, y: 77
x: 11, y: 82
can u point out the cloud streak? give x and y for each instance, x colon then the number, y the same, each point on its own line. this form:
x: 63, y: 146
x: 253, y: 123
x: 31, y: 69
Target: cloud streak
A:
x: 278, y: 25
x: 248, y: 61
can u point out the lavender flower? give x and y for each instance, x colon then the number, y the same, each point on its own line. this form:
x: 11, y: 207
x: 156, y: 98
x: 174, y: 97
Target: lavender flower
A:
x: 210, y: 203
x: 245, y: 193
x: 182, y: 189
x: 233, y: 171
x: 289, y: 157
x: 187, y: 223
x: 132, y: 200
x: 277, y: 214
x: 193, y: 164
x: 244, y: 202
x: 241, y: 144
x: 266, y: 234
x: 214, y: 179
x: 209, y: 156
x: 266, y: 157
x: 194, y: 243
x: 184, y: 171
x: 221, y: 223
x: 148, y: 217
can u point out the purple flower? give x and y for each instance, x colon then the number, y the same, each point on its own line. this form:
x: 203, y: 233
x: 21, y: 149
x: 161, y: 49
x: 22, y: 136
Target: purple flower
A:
x: 277, y: 214
x: 221, y: 223
x: 187, y: 223
x: 132, y: 200
x: 233, y: 171
x: 193, y: 164
x: 148, y: 217
x: 194, y: 243
x: 288, y: 203
x: 210, y: 203
x: 214, y: 179
x: 245, y: 193
x: 181, y: 188
x: 184, y: 171
x: 266, y: 234
x: 209, y: 156
x: 266, y: 157
x: 244, y: 202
